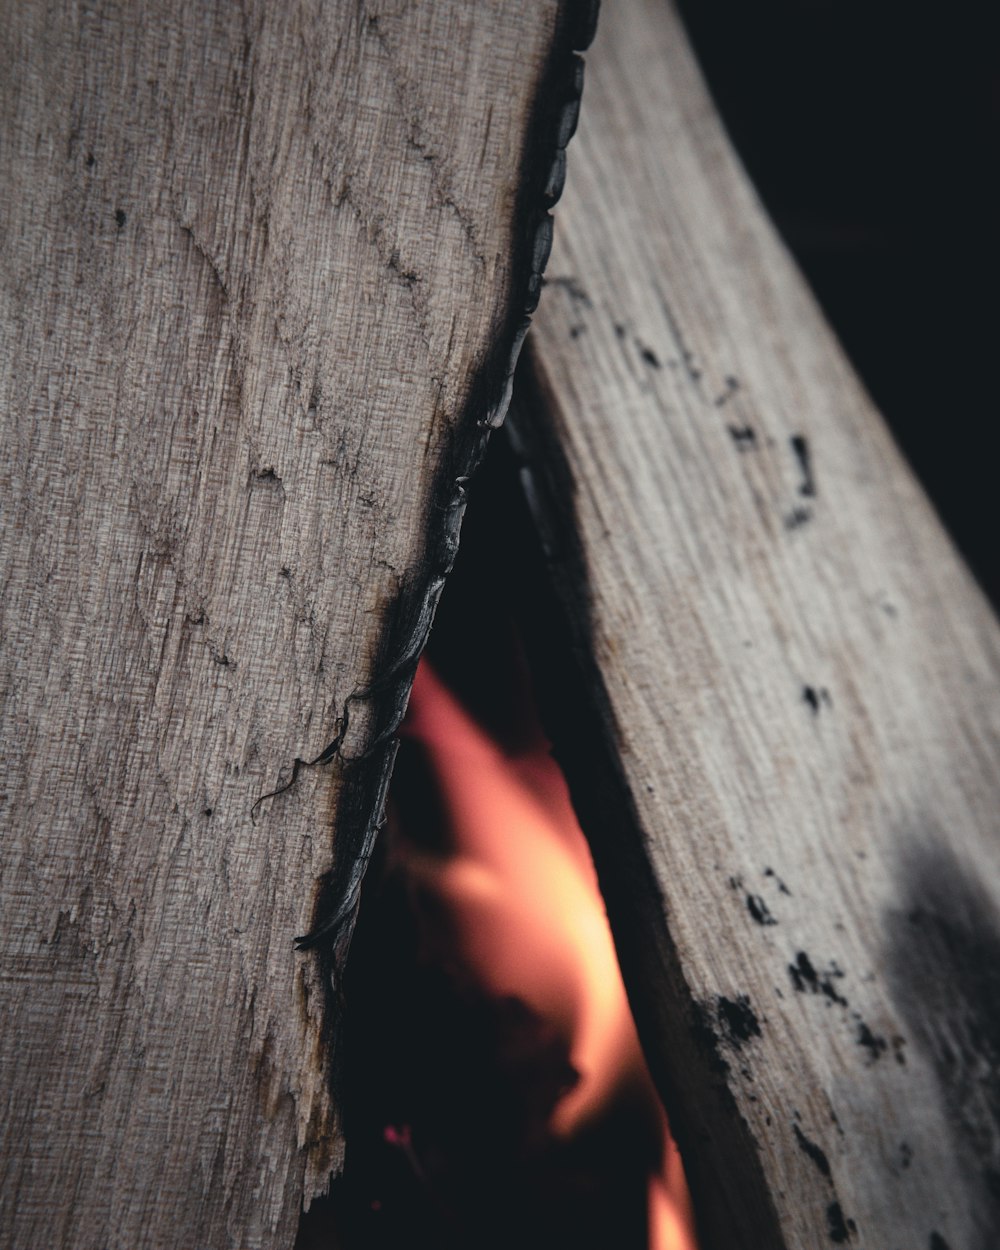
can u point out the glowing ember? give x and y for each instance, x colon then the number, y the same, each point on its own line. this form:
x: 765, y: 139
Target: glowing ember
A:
x: 509, y: 884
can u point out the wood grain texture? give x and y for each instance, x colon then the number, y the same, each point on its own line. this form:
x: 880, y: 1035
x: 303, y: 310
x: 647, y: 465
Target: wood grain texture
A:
x: 263, y: 271
x: 792, y: 790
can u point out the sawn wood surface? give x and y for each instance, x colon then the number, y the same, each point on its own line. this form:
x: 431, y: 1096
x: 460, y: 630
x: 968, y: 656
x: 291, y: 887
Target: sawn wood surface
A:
x: 793, y: 793
x: 262, y: 275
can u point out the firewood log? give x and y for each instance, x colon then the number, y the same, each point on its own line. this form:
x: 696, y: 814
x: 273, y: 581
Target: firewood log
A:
x: 265, y: 271
x: 781, y: 723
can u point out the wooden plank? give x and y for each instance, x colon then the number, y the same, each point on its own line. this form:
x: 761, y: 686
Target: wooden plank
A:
x: 264, y: 272
x: 791, y: 779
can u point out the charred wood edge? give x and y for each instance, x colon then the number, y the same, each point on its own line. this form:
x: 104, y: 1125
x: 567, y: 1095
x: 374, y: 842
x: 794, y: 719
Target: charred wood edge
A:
x: 360, y: 810
x: 733, y: 1205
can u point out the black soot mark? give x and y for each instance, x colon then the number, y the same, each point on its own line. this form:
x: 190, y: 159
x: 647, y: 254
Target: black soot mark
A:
x: 816, y: 698
x: 797, y: 518
x: 801, y: 448
x: 875, y: 1045
x: 737, y: 1020
x: 744, y: 436
x: 812, y: 1150
x: 943, y: 963
x: 724, y: 1022
x: 805, y: 979
x: 732, y: 386
x: 782, y: 888
x: 759, y: 910
x: 840, y: 1229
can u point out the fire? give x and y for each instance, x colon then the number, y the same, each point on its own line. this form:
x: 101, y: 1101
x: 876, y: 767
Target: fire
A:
x: 512, y: 887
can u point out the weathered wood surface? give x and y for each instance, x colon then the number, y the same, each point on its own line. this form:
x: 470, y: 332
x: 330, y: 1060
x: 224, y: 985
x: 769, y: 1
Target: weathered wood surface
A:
x: 798, y: 681
x: 263, y: 272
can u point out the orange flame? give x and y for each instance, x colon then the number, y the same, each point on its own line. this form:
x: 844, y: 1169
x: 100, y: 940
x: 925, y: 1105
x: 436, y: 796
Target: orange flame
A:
x: 517, y: 883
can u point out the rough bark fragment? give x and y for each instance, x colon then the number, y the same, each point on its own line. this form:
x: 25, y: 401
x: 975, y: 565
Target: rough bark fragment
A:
x: 796, y: 691
x: 263, y: 271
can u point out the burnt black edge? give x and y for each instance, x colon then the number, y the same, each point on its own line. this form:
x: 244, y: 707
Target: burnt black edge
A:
x: 731, y: 1197
x: 360, y: 811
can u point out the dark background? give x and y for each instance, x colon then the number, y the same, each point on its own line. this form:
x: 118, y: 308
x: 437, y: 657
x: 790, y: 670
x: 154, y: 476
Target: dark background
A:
x: 870, y: 130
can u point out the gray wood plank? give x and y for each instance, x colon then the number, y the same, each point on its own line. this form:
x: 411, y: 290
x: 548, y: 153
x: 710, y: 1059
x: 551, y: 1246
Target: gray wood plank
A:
x: 792, y: 788
x: 263, y: 272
